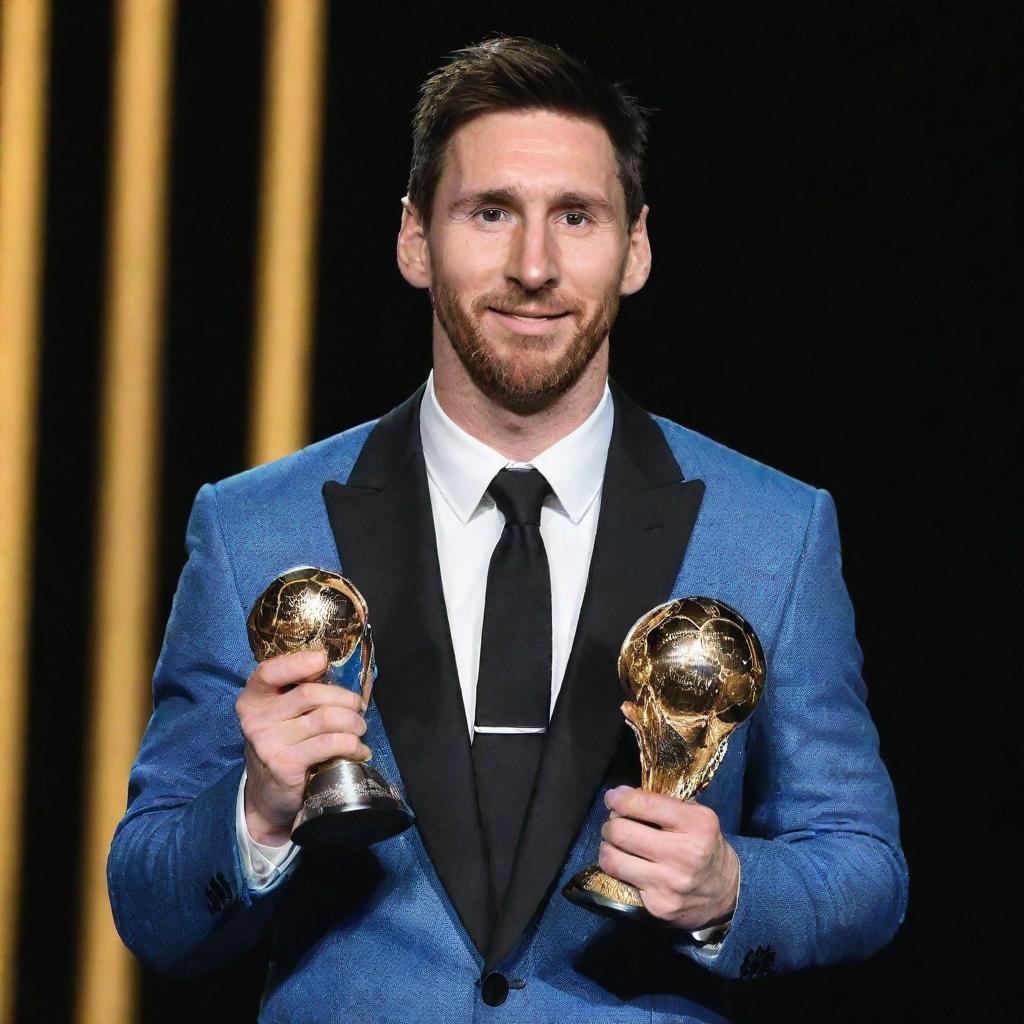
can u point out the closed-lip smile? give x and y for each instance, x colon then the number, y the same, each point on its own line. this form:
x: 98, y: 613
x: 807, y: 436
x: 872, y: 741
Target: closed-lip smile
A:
x: 526, y: 314
x: 528, y: 321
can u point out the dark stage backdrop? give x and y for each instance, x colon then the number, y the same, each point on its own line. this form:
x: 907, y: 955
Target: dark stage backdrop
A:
x: 831, y: 198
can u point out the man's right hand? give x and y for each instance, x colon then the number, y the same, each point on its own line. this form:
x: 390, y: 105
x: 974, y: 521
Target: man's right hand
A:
x: 292, y: 721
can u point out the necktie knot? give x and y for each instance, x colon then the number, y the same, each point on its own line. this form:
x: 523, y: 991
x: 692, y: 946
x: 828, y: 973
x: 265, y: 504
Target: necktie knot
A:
x: 519, y: 494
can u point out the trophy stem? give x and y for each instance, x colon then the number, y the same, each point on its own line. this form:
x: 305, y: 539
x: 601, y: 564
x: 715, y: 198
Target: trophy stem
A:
x: 597, y: 891
x: 348, y: 803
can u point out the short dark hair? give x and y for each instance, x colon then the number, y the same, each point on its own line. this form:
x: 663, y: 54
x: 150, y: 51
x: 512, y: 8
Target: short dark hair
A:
x: 518, y: 73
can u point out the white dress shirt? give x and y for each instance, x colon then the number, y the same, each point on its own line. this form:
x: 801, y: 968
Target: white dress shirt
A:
x: 467, y: 525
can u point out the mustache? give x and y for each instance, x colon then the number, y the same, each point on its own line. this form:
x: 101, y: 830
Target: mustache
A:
x: 519, y: 300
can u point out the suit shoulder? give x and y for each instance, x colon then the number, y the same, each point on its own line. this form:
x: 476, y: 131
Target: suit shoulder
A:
x: 330, y: 458
x: 729, y: 471
x: 293, y: 482
x: 752, y: 528
x: 272, y: 517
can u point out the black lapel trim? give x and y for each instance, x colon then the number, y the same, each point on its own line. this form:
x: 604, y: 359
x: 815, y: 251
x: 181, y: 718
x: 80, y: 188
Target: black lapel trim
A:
x: 384, y: 531
x: 647, y: 515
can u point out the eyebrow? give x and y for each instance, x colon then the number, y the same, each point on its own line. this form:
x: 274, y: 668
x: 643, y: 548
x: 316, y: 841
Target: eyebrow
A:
x: 509, y: 196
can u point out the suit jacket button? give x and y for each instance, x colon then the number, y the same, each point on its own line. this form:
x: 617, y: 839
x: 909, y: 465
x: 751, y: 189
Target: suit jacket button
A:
x: 494, y: 989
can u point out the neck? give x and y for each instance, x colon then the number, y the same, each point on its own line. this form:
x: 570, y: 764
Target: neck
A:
x: 519, y: 437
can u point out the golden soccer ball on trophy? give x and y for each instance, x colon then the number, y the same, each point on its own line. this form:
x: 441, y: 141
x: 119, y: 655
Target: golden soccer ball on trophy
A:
x: 694, y: 671
x: 346, y: 803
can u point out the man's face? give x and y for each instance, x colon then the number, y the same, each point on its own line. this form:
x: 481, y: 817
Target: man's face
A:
x: 529, y: 251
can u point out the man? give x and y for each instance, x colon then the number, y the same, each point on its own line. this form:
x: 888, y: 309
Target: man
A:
x: 515, y: 479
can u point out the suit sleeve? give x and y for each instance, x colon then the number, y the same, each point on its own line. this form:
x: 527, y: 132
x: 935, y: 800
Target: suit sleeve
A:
x: 179, y: 893
x: 823, y: 878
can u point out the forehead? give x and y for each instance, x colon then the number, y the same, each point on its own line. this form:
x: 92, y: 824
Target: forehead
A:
x: 531, y: 152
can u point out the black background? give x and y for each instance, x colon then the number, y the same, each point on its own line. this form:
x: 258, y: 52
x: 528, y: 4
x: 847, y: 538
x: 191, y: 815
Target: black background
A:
x: 834, y: 285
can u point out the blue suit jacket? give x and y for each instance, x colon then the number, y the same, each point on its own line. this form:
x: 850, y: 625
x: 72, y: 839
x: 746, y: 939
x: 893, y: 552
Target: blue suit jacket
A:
x: 403, y: 932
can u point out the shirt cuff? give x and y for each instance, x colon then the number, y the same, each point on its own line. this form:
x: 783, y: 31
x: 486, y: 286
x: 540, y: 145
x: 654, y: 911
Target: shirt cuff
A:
x: 262, y: 864
x: 711, y: 939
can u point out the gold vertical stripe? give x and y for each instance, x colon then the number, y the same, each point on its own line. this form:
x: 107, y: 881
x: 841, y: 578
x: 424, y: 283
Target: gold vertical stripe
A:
x: 290, y: 177
x: 24, y: 31
x: 122, y: 659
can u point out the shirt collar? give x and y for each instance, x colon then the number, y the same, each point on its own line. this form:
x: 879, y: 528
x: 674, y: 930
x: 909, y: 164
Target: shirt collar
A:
x: 462, y: 467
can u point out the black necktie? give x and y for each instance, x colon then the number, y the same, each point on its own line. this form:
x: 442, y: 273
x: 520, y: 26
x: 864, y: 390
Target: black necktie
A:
x: 514, y: 683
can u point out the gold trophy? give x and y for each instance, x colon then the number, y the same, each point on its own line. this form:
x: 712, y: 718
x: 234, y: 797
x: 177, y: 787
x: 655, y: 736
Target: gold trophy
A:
x: 346, y: 803
x: 694, y: 670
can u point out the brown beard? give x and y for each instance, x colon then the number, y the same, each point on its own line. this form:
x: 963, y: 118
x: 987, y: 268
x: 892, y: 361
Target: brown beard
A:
x: 518, y: 388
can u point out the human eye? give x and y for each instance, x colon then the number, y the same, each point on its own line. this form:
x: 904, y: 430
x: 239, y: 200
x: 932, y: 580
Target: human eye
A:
x: 576, y: 219
x: 490, y: 215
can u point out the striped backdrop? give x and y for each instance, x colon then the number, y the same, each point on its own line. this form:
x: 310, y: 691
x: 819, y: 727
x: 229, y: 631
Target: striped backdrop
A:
x: 108, y: 612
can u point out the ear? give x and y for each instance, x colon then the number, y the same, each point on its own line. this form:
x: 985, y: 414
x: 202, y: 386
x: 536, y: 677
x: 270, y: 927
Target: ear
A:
x: 413, y: 252
x: 638, y: 259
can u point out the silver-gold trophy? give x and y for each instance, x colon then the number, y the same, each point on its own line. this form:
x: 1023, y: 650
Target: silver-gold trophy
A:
x: 346, y: 803
x: 694, y: 670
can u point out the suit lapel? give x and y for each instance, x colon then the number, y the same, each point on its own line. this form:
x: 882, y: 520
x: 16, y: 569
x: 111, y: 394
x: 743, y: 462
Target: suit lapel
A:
x: 384, y: 531
x: 647, y: 514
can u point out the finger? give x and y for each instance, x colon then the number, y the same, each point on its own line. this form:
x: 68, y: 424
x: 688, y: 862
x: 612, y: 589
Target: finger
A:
x: 656, y: 808
x: 321, y: 721
x: 640, y: 839
x: 329, y: 745
x: 644, y: 874
x: 308, y: 696
x: 289, y: 669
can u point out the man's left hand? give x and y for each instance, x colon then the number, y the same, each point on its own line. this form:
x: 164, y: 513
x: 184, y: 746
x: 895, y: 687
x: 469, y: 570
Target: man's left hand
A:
x: 674, y: 852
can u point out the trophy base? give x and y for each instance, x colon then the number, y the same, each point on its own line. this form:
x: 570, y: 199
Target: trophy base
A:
x: 599, y: 892
x: 348, y: 803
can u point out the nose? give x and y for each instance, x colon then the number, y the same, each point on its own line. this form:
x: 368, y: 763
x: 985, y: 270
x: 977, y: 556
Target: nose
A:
x: 533, y: 258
